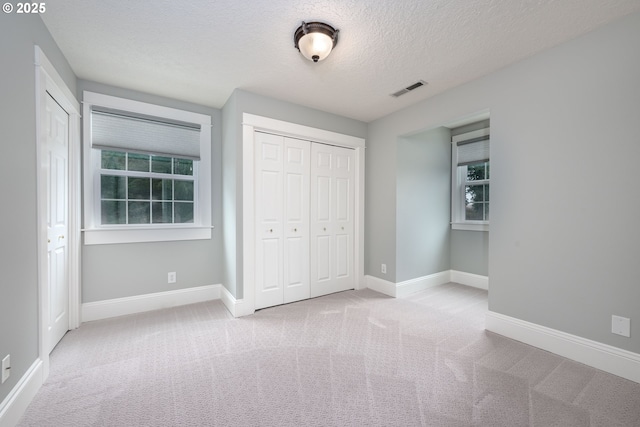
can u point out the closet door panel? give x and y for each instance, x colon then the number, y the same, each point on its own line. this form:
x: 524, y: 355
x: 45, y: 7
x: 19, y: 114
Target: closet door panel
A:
x: 269, y: 189
x: 322, y: 259
x: 323, y: 199
x: 342, y: 256
x: 343, y: 219
x: 332, y: 194
x: 296, y: 219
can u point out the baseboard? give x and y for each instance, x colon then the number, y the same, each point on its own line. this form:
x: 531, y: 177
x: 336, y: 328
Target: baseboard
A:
x: 407, y: 287
x: 141, y: 303
x: 16, y: 402
x: 236, y: 307
x: 469, y: 279
x: 412, y: 286
x: 380, y: 285
x: 607, y: 358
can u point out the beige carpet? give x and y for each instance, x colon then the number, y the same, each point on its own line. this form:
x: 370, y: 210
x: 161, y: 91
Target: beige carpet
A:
x: 356, y: 358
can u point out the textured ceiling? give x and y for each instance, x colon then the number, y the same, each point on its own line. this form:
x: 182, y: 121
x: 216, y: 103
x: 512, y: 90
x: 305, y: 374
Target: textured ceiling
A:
x: 201, y: 50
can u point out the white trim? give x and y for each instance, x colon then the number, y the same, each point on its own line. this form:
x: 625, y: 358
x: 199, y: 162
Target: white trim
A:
x: 418, y: 284
x: 140, y: 303
x: 96, y: 234
x: 236, y: 307
x: 13, y: 406
x: 47, y: 80
x: 380, y: 285
x: 610, y: 359
x: 469, y: 279
x: 113, y: 236
x: 470, y: 226
x: 300, y: 131
x: 251, y: 123
x: 407, y: 287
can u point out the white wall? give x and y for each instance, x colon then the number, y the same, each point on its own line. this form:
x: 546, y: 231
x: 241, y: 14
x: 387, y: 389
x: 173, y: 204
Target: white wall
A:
x: 563, y: 246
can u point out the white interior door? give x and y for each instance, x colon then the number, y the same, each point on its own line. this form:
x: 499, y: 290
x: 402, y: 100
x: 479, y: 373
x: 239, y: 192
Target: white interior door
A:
x: 343, y: 222
x: 296, y: 219
x: 57, y: 176
x: 332, y: 219
x: 282, y: 219
x: 269, y: 231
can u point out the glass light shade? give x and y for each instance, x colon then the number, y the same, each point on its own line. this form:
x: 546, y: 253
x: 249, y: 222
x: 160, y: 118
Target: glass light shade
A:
x: 315, y: 46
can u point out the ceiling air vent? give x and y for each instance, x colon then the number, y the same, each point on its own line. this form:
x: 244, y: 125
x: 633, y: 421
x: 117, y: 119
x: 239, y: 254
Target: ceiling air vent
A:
x: 409, y: 88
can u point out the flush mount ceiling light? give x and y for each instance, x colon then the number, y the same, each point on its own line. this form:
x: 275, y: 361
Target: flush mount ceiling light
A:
x: 315, y: 40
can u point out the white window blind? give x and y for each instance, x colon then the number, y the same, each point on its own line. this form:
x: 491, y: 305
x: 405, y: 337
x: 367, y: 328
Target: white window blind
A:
x: 121, y: 131
x: 474, y: 150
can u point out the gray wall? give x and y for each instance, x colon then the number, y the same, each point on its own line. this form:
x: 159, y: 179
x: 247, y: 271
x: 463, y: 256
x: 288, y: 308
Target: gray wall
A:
x: 563, y: 243
x: 470, y: 251
x: 423, y: 204
x: 230, y: 159
x: 122, y: 270
x: 18, y: 263
x: 246, y: 102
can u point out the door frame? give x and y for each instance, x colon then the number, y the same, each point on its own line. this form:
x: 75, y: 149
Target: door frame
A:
x: 252, y: 123
x: 48, y: 81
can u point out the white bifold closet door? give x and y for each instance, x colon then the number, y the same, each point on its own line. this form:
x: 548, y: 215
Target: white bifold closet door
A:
x: 282, y: 171
x: 332, y: 219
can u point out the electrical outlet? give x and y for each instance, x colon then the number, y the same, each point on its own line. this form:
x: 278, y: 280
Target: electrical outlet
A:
x: 6, y: 367
x: 621, y: 326
x: 171, y: 277
x: 383, y: 268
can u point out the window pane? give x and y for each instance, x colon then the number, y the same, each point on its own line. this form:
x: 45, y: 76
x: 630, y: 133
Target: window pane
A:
x: 486, y: 211
x: 162, y: 189
x: 183, y: 190
x: 486, y: 192
x: 474, y: 193
x: 113, y: 187
x: 183, y: 212
x: 139, y: 212
x: 113, y: 160
x: 488, y: 170
x: 476, y: 171
x: 183, y: 167
x: 138, y: 162
x: 113, y: 212
x: 474, y: 212
x: 139, y: 188
x: 161, y: 164
x: 162, y: 212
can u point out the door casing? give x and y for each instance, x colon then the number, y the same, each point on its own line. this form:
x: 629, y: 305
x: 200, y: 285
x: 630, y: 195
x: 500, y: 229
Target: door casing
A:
x: 48, y: 81
x: 251, y: 123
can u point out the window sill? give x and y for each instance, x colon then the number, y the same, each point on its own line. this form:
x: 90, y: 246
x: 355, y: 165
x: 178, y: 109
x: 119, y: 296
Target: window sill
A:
x: 110, y: 236
x: 470, y: 226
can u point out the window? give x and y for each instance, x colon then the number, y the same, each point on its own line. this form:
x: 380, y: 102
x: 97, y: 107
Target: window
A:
x: 147, y: 172
x: 145, y: 189
x: 470, y: 181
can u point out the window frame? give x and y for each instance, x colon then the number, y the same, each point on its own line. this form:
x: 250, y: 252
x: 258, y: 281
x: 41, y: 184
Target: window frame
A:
x: 96, y: 233
x: 458, y: 183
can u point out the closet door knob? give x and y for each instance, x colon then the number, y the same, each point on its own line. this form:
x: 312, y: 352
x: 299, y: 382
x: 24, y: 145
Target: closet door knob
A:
x: 295, y: 230
x: 271, y: 230
x: 324, y: 228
